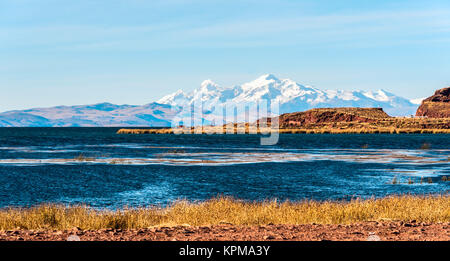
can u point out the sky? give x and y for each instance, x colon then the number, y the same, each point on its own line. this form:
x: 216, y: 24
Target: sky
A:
x: 135, y: 51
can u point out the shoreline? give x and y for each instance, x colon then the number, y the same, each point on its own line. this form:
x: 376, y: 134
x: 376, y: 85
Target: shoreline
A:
x: 220, y: 131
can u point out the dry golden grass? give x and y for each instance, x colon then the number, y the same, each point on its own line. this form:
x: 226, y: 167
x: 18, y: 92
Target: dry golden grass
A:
x: 226, y: 210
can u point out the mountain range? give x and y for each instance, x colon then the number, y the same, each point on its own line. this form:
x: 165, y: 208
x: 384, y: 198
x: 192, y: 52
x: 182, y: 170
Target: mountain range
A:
x: 290, y: 95
x: 97, y: 115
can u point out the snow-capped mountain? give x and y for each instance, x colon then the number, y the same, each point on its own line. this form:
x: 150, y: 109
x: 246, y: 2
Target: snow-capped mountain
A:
x: 290, y: 95
x: 208, y: 104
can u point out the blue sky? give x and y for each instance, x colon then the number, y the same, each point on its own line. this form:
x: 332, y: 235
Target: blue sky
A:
x: 135, y: 51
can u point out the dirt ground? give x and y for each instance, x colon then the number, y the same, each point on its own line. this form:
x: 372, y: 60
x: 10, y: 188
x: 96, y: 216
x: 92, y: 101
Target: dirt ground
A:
x: 384, y: 231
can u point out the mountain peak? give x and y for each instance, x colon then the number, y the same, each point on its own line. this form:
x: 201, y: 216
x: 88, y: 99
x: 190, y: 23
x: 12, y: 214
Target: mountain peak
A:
x: 263, y: 80
x: 180, y: 91
x: 207, y: 83
x: 268, y: 77
x: 383, y: 91
x: 207, y: 86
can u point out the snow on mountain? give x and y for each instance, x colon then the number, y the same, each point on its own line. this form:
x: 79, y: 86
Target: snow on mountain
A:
x: 417, y: 101
x: 178, y: 97
x: 291, y: 96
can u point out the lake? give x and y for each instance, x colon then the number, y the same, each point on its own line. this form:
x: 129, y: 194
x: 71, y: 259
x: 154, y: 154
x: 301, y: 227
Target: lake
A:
x: 97, y: 167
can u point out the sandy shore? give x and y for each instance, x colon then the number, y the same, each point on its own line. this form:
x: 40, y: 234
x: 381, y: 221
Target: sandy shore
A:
x: 384, y: 231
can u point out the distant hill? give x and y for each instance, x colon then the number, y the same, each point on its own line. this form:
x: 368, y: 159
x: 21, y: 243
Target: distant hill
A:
x: 103, y: 114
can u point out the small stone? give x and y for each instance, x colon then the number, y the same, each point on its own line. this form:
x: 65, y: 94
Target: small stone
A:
x: 73, y: 238
x: 373, y: 237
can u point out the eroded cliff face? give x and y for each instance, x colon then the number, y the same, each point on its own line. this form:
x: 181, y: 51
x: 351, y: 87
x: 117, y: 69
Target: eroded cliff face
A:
x: 436, y: 106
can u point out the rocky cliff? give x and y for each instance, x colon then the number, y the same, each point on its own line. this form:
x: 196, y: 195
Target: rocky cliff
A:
x: 436, y: 106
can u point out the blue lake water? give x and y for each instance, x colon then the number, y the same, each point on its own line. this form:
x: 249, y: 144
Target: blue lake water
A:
x: 97, y: 167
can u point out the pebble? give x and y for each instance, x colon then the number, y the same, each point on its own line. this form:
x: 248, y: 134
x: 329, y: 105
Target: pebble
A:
x: 73, y: 238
